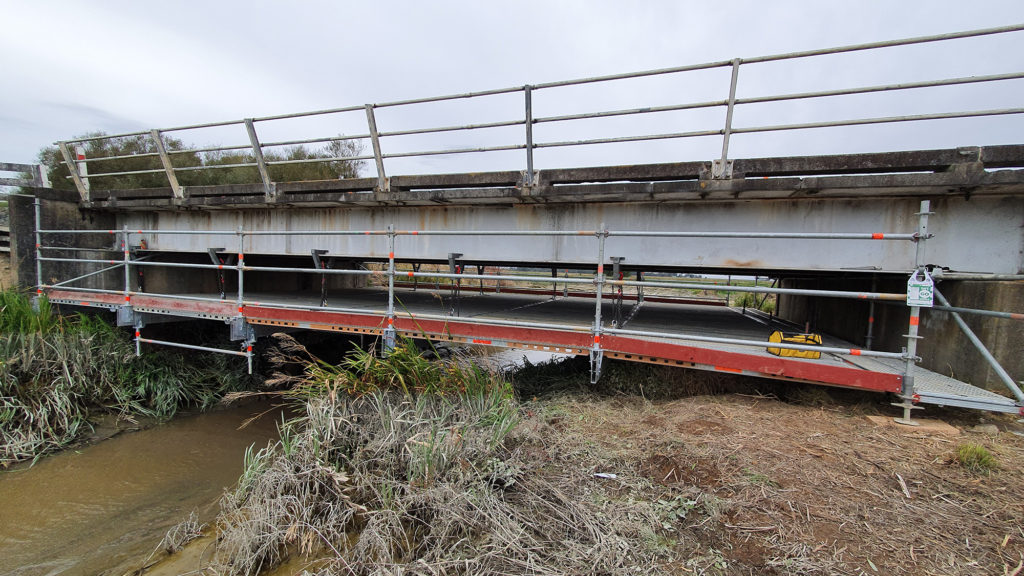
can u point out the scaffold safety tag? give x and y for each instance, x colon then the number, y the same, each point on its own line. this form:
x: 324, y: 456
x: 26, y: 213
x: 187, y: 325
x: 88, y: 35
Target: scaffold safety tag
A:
x: 920, y: 290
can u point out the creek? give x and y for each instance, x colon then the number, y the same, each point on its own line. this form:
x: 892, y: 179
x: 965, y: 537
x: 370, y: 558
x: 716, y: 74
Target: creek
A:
x: 103, y: 508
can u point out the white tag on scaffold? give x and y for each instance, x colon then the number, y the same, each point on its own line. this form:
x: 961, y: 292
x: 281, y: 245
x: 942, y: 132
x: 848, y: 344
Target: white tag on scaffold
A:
x: 920, y: 290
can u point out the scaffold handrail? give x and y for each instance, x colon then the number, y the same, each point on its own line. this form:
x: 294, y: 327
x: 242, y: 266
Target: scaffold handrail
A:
x: 616, y: 233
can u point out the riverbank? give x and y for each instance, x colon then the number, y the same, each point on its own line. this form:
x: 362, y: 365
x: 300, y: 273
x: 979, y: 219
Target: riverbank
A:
x: 615, y: 482
x: 422, y: 467
x: 62, y: 375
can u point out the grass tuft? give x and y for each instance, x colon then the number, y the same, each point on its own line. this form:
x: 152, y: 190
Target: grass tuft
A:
x: 976, y: 458
x: 182, y: 533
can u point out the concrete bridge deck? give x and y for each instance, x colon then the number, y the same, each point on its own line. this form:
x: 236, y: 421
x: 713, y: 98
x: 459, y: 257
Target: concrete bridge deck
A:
x: 976, y: 193
x: 966, y: 171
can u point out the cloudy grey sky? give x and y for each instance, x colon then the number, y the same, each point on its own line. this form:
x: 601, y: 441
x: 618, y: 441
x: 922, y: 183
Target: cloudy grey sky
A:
x: 70, y: 67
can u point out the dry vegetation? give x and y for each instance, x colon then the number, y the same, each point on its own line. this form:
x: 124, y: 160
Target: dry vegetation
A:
x: 637, y: 476
x: 780, y: 488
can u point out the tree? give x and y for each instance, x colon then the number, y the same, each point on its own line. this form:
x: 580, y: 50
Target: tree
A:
x: 138, y: 154
x: 122, y: 150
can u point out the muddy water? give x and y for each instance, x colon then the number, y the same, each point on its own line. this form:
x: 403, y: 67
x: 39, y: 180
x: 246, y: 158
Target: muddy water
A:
x: 509, y: 358
x: 103, y: 509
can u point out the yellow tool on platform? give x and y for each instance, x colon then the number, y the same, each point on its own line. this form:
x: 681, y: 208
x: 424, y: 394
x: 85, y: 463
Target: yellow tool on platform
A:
x: 793, y: 338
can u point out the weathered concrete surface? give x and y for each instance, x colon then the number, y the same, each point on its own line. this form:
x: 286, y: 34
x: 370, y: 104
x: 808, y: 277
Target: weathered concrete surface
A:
x: 161, y: 280
x: 950, y: 352
x: 59, y: 212
x: 981, y: 234
x: 961, y: 171
x: 23, y: 254
x: 944, y: 348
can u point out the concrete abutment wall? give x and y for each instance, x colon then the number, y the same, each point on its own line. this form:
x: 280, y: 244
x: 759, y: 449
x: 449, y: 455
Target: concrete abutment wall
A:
x: 60, y: 211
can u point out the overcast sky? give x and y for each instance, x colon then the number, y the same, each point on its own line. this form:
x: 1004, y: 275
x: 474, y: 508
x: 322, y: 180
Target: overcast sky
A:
x: 70, y: 67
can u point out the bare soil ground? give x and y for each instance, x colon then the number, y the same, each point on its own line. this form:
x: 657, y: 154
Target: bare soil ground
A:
x: 755, y: 485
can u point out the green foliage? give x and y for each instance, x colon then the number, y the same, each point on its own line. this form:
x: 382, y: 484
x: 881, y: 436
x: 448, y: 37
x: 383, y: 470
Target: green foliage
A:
x: 405, y: 369
x: 138, y: 153
x: 18, y: 315
x: 759, y: 479
x: 55, y: 372
x: 674, y: 511
x: 976, y: 458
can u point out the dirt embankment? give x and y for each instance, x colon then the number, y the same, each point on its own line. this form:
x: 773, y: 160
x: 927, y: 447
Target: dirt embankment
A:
x: 753, y: 485
x: 747, y: 484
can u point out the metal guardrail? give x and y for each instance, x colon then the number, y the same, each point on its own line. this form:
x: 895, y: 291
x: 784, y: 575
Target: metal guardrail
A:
x: 721, y: 167
x: 36, y: 175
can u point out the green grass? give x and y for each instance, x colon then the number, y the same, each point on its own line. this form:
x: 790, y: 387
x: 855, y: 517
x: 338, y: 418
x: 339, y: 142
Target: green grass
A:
x: 759, y: 479
x: 18, y: 315
x: 976, y: 458
x: 56, y: 372
x: 405, y: 369
x: 751, y: 300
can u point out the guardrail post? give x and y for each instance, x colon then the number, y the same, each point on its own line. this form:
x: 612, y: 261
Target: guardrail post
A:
x: 595, y: 352
x: 138, y: 325
x: 389, y: 331
x: 241, y: 267
x: 528, y: 97
x: 371, y: 122
x: 127, y: 268
x: 40, y: 179
x: 269, y: 189
x: 907, y: 389
x: 869, y: 338
x: 165, y: 159
x: 82, y: 184
x: 39, y: 249
x: 722, y: 168
x: 249, y: 337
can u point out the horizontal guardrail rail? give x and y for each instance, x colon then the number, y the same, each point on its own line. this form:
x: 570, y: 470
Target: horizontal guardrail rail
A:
x: 29, y: 175
x: 252, y: 152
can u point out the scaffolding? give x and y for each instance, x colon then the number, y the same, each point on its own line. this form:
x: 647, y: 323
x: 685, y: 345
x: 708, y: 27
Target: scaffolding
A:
x: 242, y: 310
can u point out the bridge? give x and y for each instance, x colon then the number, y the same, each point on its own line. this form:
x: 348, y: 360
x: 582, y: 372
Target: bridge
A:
x: 616, y: 261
